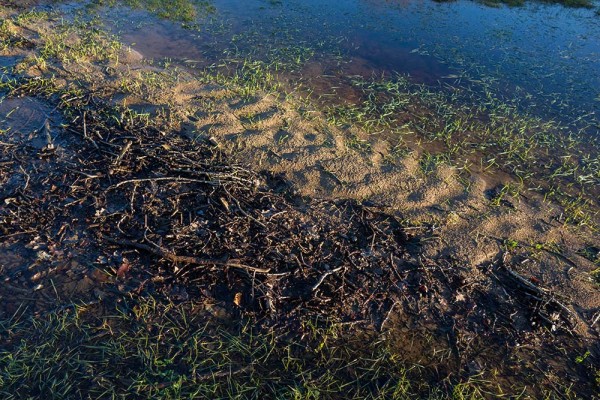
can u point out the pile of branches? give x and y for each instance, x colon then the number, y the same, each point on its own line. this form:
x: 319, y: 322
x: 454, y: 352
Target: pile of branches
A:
x: 170, y: 215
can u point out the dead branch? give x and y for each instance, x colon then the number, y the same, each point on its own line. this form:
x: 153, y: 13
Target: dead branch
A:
x: 164, y: 253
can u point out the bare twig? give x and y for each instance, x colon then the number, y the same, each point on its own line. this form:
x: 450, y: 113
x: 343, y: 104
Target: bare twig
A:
x: 325, y: 275
x: 159, y: 251
x: 596, y: 319
x: 542, y: 295
x: 388, y: 315
x: 124, y: 151
x: 166, y: 178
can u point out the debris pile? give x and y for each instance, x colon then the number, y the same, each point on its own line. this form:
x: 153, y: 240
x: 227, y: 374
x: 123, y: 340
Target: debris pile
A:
x: 107, y: 204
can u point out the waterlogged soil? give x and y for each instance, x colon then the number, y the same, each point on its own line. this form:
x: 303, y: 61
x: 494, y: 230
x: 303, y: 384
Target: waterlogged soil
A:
x: 255, y: 208
x: 132, y: 210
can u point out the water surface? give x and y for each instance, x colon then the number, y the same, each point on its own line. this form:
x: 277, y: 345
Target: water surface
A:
x: 547, y: 55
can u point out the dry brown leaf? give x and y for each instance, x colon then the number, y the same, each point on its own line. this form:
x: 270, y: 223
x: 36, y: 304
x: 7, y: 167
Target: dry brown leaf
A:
x: 123, y: 269
x: 237, y: 299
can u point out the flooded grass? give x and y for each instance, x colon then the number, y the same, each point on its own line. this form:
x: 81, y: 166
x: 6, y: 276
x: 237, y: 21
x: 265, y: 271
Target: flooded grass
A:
x: 479, y: 133
x: 149, y: 349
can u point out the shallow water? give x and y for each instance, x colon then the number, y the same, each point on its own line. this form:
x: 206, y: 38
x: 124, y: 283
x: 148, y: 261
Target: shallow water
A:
x: 6, y: 61
x: 546, y: 55
x: 22, y: 117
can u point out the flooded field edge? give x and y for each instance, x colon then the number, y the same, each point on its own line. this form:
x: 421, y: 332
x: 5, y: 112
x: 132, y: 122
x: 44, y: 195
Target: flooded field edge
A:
x: 131, y: 215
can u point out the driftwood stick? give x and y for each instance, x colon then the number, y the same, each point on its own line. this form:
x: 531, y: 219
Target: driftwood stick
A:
x: 167, y: 178
x: 389, y: 314
x: 124, y: 151
x: 325, y: 275
x: 543, y: 293
x: 596, y: 319
x: 525, y: 282
x: 85, y: 136
x: 159, y: 251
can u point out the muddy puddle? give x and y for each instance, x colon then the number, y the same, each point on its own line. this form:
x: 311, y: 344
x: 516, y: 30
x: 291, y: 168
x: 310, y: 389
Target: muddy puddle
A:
x: 22, y: 117
x: 6, y: 61
x: 37, y: 272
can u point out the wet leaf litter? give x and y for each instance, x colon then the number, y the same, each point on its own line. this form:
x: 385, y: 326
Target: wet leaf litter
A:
x: 109, y: 212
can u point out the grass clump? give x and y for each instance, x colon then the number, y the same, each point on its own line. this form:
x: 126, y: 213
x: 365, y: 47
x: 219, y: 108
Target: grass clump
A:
x: 246, y: 78
x: 78, y: 42
x: 6, y: 34
x: 10, y: 37
x: 67, y: 42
